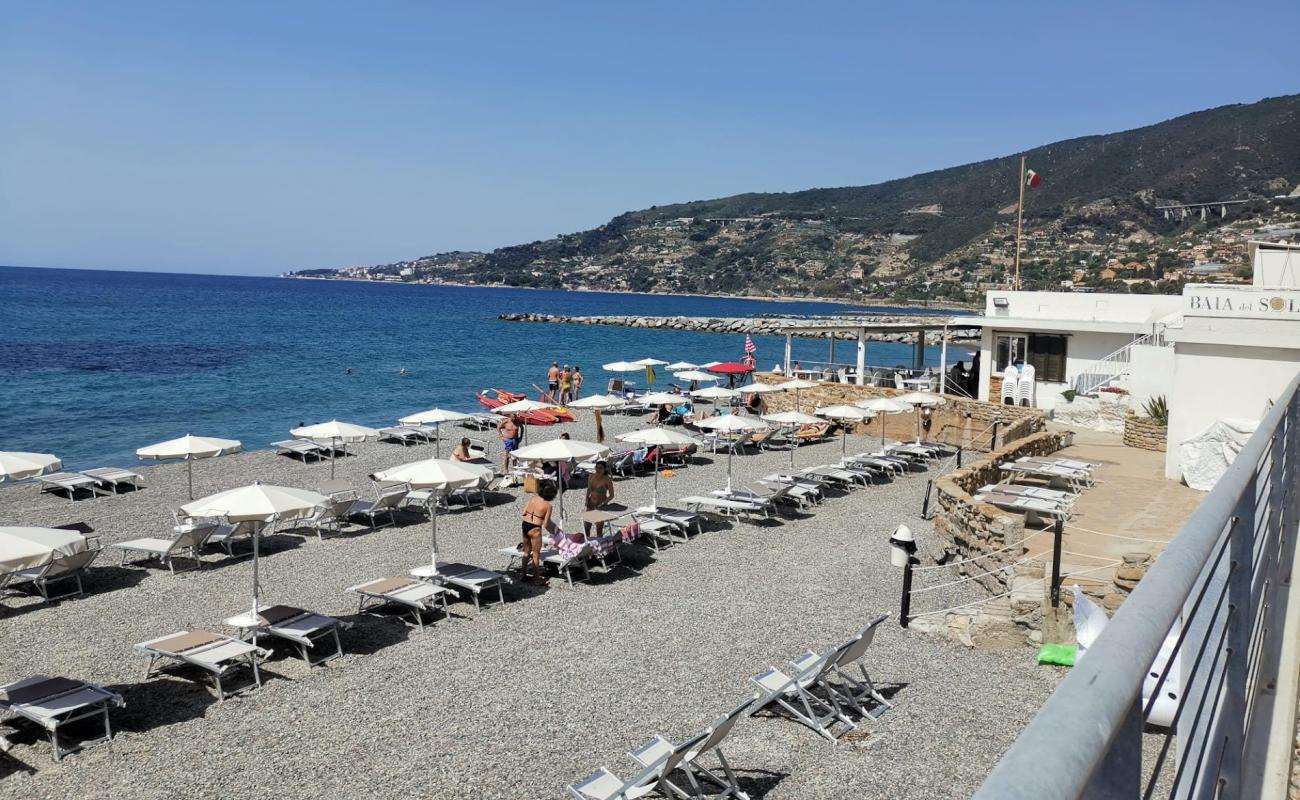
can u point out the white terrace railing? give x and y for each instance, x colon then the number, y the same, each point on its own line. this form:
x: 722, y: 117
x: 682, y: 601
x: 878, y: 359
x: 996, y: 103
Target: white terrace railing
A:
x: 1215, y: 628
x: 1110, y: 368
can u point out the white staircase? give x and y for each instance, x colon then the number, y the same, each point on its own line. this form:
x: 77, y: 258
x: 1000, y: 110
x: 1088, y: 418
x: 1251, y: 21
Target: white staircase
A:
x: 1111, y: 368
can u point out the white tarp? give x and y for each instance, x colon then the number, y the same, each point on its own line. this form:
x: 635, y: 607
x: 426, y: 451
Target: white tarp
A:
x: 1207, y: 455
x: 1090, y: 620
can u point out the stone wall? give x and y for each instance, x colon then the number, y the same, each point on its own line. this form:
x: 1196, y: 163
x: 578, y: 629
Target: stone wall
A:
x: 960, y: 421
x: 1143, y: 433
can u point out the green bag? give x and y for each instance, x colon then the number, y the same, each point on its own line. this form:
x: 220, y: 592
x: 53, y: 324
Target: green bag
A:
x: 1058, y: 654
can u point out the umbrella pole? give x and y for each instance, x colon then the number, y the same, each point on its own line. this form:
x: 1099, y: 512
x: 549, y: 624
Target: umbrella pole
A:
x: 433, y: 531
x: 257, y: 536
x: 559, y: 479
x: 189, y: 468
x: 437, y: 440
x: 794, y: 445
x: 333, y: 451
x: 654, y: 496
x: 882, y: 430
x: 730, y: 450
x: 844, y: 439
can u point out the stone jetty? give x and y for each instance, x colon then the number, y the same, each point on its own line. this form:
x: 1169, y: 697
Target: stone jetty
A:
x: 757, y: 326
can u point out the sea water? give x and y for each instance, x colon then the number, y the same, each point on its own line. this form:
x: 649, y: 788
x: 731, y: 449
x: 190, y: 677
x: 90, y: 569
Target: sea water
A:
x: 96, y: 363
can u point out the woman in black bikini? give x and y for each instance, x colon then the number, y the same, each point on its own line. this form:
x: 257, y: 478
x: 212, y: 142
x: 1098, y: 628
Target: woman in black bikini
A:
x: 536, y: 518
x: 600, y: 490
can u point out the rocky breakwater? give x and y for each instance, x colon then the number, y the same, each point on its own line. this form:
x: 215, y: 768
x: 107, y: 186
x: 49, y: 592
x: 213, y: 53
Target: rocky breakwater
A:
x: 757, y: 326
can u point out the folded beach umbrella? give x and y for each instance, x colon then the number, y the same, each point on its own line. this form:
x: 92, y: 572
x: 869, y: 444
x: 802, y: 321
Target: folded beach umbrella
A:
x: 883, y: 406
x: 189, y: 448
x: 257, y: 504
x: 441, y: 476
x: 793, y: 418
x: 681, y: 365
x: 557, y: 450
x: 24, y: 548
x: 434, y: 417
x: 731, y: 424
x: 15, y: 466
x: 844, y: 414
x: 797, y: 385
x: 337, y: 433
x: 657, y: 438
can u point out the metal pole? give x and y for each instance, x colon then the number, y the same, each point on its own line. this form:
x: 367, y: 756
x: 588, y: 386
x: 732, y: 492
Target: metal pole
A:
x: 959, y: 451
x: 189, y: 468
x: 1058, y: 535
x: 1020, y: 221
x: 905, y: 608
x: 925, y: 504
x: 788, y: 338
x: 943, y: 361
x: 993, y: 443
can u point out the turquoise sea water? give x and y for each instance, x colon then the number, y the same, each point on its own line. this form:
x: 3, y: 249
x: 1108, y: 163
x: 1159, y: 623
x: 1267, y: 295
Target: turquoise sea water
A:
x: 94, y: 364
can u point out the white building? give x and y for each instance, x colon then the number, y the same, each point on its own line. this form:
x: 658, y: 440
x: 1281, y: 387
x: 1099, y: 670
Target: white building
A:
x: 1215, y: 352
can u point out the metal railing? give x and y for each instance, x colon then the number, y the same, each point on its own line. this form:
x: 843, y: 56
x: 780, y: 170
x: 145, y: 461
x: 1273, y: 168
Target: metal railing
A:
x: 1220, y: 602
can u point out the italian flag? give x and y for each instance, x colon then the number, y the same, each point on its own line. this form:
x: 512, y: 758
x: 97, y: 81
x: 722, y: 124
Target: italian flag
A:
x: 1032, y: 179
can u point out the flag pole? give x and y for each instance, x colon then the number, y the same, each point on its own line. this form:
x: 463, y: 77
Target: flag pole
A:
x: 1020, y: 221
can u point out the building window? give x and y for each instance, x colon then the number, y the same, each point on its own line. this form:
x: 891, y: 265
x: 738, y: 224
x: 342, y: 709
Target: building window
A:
x: 1047, y: 354
x: 1008, y: 349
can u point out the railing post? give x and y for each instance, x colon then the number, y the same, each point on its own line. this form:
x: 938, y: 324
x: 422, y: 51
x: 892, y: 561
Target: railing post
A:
x: 959, y: 449
x: 993, y: 443
x: 905, y: 607
x: 1058, y: 535
x: 1229, y: 729
x: 925, y: 504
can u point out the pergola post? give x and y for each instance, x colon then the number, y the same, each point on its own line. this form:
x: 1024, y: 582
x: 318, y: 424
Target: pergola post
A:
x: 788, y: 338
x: 830, y: 359
x: 862, y: 356
x: 943, y: 361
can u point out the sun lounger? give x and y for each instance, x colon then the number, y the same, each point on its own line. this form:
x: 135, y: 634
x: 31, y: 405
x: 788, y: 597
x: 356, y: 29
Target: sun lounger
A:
x: 185, y: 542
x: 59, y: 568
x: 54, y: 702
x: 768, y: 498
x: 303, y: 628
x: 71, y: 483
x: 1058, y: 496
x: 796, y: 693
x: 564, y: 564
x: 605, y: 785
x: 734, y: 509
x: 467, y: 578
x: 1068, y: 463
x: 858, y: 691
x: 213, y: 653
x: 480, y: 421
x: 303, y: 449
x: 683, y: 519
x: 891, y: 466
x: 1029, y: 506
x: 331, y: 517
x: 805, y: 492
x: 224, y: 534
x: 418, y: 596
x: 659, y: 749
x: 838, y: 475
x: 114, y: 479
x: 386, y: 501
x: 811, y: 435
x: 1073, y: 479
x: 401, y: 435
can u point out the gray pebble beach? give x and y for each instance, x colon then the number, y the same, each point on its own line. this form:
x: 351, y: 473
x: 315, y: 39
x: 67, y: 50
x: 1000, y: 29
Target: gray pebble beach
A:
x: 514, y: 701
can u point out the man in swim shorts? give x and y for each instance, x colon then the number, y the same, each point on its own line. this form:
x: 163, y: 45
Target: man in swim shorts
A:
x: 508, y: 430
x: 553, y: 380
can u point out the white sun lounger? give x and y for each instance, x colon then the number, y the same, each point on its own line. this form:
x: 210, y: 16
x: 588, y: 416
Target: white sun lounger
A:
x: 1028, y: 506
x: 1058, y: 496
x: 302, y: 448
x: 386, y: 501
x: 59, y: 568
x: 768, y: 498
x: 480, y: 421
x: 796, y: 694
x: 467, y: 578
x: 70, y: 482
x: 549, y: 555
x: 185, y: 542
x: 213, y: 653
x: 805, y: 490
x: 114, y: 479
x: 416, y: 595
x: 303, y: 628
x: 857, y: 691
x: 733, y: 509
x: 837, y: 475
x: 680, y: 518
x: 402, y: 435
x: 54, y: 702
x: 1075, y: 480
x: 659, y: 749
x: 605, y: 785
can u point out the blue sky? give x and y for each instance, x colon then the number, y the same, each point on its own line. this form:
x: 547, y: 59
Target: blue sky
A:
x: 243, y: 137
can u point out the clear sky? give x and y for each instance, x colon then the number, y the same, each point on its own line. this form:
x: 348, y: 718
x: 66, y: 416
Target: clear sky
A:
x: 256, y: 137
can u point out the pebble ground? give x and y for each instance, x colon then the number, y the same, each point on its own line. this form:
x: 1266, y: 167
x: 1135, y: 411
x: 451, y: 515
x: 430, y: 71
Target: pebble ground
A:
x: 519, y: 700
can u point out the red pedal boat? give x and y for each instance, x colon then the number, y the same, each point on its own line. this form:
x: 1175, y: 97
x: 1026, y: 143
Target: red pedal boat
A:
x: 494, y: 398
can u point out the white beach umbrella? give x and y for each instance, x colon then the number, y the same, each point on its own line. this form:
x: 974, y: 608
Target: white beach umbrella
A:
x: 441, y: 476
x: 792, y: 418
x: 661, y: 398
x: 797, y: 385
x: 434, y: 417
x: 650, y: 362
x: 657, y: 438
x: 622, y: 366
x: 523, y: 407
x: 189, y: 448
x: 696, y: 375
x: 599, y: 402
x: 337, y: 433
x: 710, y: 364
x: 919, y: 400
x: 15, y: 466
x: 760, y: 388
x: 680, y: 365
x: 844, y: 413
x: 715, y: 393
x: 24, y: 548
x: 883, y: 406
x: 732, y: 423
x: 257, y: 504
x: 557, y: 450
